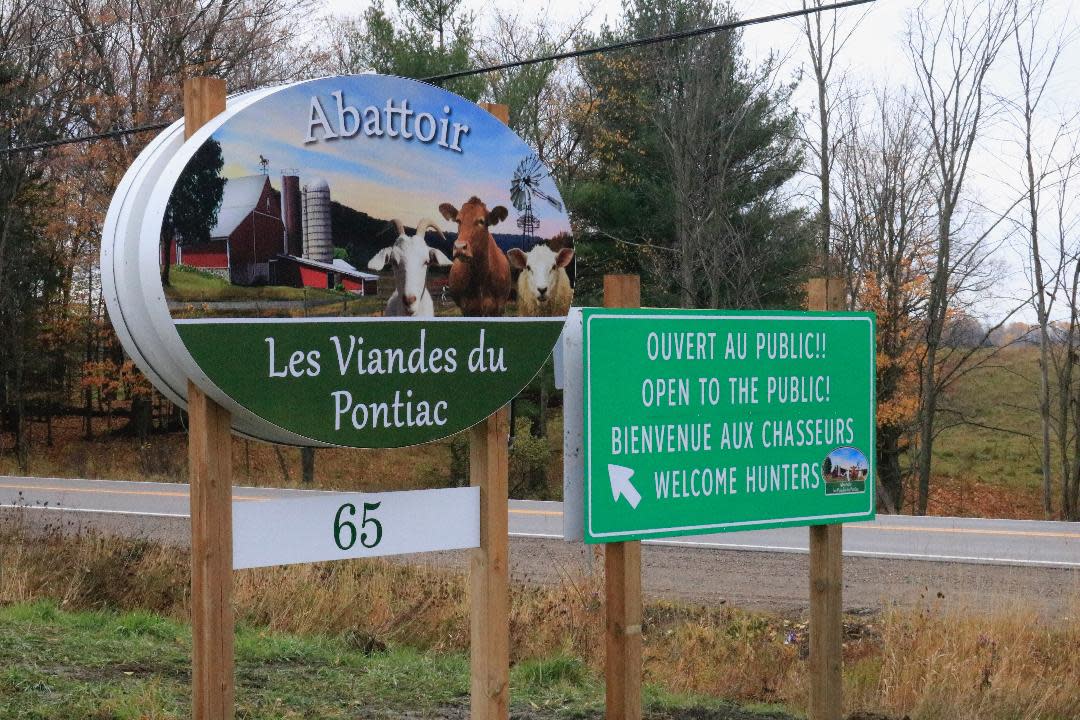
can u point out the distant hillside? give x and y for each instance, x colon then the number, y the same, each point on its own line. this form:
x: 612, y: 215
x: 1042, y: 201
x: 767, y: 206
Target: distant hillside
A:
x: 360, y: 234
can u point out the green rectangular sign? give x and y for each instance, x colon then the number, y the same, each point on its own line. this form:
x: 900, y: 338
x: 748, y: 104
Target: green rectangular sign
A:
x: 705, y: 421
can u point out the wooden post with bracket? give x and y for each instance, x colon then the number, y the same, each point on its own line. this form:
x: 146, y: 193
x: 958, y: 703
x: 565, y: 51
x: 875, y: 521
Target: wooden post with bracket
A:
x: 826, y: 573
x: 489, y: 564
x: 622, y: 576
x: 210, y: 470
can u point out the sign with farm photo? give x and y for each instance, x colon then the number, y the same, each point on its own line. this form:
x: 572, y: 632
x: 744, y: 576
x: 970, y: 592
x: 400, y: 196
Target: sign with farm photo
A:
x: 362, y: 261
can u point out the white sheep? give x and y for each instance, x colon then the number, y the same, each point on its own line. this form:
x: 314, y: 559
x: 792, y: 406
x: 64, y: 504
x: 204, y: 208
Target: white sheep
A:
x: 543, y: 287
x: 410, y: 256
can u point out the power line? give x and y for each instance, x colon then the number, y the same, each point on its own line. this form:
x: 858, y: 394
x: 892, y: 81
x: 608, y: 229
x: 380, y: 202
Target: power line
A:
x: 87, y: 138
x: 570, y: 54
x: 654, y: 39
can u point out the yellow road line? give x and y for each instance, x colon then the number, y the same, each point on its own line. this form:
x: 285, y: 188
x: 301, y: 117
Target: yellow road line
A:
x: 969, y: 531
x: 558, y: 513
x: 92, y: 491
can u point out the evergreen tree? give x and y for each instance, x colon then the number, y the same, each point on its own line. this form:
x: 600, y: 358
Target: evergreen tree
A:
x: 423, y: 39
x: 193, y: 206
x: 694, y: 148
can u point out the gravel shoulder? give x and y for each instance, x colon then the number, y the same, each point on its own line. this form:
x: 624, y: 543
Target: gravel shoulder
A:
x: 779, y: 582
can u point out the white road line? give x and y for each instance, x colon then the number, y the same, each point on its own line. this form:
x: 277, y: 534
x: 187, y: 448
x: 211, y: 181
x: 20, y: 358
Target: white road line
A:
x: 965, y: 558
x: 849, y: 553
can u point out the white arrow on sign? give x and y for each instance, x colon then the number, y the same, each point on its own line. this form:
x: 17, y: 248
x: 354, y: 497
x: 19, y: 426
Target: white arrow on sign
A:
x: 621, y: 485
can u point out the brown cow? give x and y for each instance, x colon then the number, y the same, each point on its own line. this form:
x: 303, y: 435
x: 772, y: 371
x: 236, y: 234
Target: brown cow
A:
x: 480, y: 275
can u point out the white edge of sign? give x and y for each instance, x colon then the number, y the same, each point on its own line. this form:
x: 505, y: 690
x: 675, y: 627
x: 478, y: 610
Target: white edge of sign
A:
x: 744, y: 524
x: 301, y: 530
x: 121, y: 247
x: 573, y: 421
x: 159, y: 323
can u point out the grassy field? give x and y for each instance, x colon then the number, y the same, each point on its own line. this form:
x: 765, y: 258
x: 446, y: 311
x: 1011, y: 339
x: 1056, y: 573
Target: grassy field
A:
x: 1001, y: 394
x: 95, y: 628
x: 136, y: 666
x: 191, y: 285
x: 986, y: 460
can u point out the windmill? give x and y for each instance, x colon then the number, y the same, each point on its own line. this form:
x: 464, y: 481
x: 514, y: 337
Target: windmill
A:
x: 526, y: 183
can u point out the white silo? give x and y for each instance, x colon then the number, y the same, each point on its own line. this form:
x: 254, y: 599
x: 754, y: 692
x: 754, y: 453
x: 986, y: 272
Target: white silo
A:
x: 318, y: 242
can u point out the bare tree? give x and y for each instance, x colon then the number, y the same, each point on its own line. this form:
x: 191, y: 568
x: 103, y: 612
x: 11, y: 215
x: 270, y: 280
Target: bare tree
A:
x: 542, y: 98
x: 883, y: 218
x: 35, y: 95
x: 1036, y: 64
x: 133, y: 66
x: 1067, y: 348
x: 825, y: 40
x: 729, y: 144
x: 951, y: 55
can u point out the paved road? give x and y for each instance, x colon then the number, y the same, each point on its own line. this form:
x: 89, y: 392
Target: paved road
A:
x: 161, y: 510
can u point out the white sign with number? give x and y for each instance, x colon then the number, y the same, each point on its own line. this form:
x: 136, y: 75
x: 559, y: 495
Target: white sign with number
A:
x: 353, y: 525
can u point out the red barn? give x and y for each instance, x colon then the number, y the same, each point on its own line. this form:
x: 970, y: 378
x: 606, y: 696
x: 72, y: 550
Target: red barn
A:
x: 249, y: 232
x: 302, y: 272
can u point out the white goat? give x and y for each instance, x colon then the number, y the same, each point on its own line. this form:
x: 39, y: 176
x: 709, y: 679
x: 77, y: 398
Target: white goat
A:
x: 543, y: 287
x: 410, y: 256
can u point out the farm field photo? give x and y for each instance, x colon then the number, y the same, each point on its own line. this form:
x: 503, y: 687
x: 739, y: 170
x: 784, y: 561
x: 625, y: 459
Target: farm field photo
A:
x: 460, y: 360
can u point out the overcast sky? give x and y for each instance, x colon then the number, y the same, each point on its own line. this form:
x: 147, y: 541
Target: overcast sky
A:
x: 875, y: 55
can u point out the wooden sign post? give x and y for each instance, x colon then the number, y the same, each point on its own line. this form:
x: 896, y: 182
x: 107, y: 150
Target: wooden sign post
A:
x: 489, y: 571
x: 489, y: 565
x: 826, y: 574
x: 210, y: 471
x: 622, y: 576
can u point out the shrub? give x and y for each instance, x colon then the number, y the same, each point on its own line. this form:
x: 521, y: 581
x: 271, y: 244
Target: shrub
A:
x: 459, y: 460
x: 529, y: 458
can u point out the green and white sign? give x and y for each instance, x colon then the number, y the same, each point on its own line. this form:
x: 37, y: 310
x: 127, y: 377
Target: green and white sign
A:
x: 362, y: 383
x: 705, y: 421
x: 362, y: 261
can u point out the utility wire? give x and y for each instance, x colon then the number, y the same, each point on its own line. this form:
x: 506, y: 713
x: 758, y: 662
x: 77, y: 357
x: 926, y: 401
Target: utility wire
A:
x: 653, y: 40
x: 584, y: 52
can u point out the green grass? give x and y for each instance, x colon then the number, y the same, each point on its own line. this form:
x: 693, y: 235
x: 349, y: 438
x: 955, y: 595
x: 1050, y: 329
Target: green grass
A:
x: 1000, y: 394
x: 60, y: 665
x: 135, y: 665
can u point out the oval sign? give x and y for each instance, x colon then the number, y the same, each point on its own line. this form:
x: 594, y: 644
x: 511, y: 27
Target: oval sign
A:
x: 361, y: 261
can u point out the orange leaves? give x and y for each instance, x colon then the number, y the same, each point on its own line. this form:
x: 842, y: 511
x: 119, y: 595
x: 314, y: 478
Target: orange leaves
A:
x: 114, y: 381
x: 899, y: 344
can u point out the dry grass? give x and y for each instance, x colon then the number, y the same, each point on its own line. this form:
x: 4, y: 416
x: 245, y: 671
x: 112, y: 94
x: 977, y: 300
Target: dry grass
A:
x: 1002, y: 663
x: 983, y: 664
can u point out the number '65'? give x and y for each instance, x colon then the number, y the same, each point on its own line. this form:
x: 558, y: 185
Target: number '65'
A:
x: 345, y: 531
